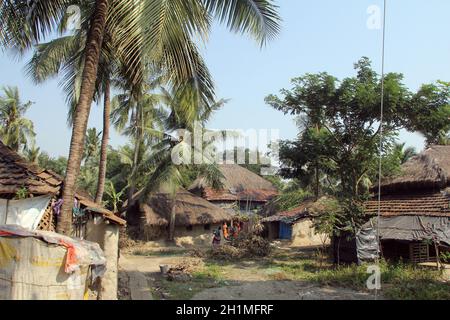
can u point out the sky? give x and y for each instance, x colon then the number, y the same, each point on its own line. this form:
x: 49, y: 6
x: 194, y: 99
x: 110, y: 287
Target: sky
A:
x: 316, y: 36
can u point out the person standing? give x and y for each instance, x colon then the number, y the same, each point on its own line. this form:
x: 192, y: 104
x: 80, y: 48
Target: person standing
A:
x: 217, y: 237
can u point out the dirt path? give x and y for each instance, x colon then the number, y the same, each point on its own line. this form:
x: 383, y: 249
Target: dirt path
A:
x: 244, y: 281
x: 138, y: 272
x: 280, y: 290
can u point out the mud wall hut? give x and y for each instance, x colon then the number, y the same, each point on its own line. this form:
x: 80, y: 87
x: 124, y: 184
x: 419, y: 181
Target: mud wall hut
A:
x: 295, y: 225
x: 31, y: 197
x: 243, y: 190
x: 195, y: 218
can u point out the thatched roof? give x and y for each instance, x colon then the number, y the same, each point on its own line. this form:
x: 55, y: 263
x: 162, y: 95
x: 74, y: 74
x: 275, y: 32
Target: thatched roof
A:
x: 190, y: 210
x: 434, y: 205
x: 239, y: 183
x: 306, y: 209
x: 428, y: 170
x: 17, y: 173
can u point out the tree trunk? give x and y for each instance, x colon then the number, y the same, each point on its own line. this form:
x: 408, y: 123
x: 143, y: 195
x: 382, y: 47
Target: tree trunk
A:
x: 132, y: 187
x: 104, y: 147
x: 172, y: 221
x: 137, y: 147
x: 92, y: 56
x: 317, y: 182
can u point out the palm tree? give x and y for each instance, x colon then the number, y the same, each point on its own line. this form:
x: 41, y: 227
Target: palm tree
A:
x: 186, y: 111
x: 404, y: 154
x: 65, y: 54
x: 15, y: 130
x: 137, y: 115
x: 32, y: 153
x: 92, y: 144
x: 163, y: 28
x: 444, y: 139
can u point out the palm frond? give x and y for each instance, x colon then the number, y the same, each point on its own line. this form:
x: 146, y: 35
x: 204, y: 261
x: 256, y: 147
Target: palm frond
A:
x: 259, y: 18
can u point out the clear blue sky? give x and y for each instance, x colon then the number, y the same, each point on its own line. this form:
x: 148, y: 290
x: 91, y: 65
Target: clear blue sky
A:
x: 317, y: 35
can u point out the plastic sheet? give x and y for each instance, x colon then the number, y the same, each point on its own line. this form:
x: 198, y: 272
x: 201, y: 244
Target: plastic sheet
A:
x: 406, y: 228
x: 46, y: 265
x: 25, y: 212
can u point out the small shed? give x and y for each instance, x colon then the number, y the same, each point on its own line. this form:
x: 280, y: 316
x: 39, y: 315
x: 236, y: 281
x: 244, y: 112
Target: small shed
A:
x: 243, y: 190
x: 195, y: 218
x: 295, y: 225
x: 414, y: 211
x: 409, y: 227
x: 31, y: 197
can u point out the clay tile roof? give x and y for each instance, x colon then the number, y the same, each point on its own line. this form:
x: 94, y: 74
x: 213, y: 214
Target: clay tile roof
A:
x: 239, y: 183
x: 17, y: 173
x: 436, y: 205
x: 306, y: 209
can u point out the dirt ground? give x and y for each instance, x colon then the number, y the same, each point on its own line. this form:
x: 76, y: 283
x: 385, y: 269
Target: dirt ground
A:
x: 280, y: 290
x: 140, y: 279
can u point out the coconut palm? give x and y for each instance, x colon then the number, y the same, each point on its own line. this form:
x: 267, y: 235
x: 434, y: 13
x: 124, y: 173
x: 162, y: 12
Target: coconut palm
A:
x: 186, y: 110
x: 92, y: 144
x: 32, y: 153
x: 15, y: 130
x: 165, y: 29
x: 65, y: 55
x: 404, y: 154
x: 137, y: 115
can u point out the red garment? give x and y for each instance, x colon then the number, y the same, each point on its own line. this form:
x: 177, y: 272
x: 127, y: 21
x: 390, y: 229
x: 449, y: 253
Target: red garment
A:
x: 71, y: 259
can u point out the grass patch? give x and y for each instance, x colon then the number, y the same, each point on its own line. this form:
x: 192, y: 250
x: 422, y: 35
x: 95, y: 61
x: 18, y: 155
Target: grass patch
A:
x: 209, y: 277
x: 399, y: 281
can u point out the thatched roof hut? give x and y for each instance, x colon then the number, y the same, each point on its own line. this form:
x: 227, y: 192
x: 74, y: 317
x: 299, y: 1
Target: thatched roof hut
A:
x: 190, y: 210
x: 414, y: 206
x: 420, y: 189
x: 239, y: 184
x: 16, y: 174
x: 429, y: 170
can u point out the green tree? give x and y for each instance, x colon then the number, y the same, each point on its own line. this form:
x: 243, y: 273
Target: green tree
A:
x: 137, y: 114
x: 15, y: 130
x: 342, y: 132
x: 57, y: 165
x: 32, y: 153
x: 92, y: 145
x: 431, y: 112
x: 114, y: 197
x: 186, y: 112
x: 65, y: 55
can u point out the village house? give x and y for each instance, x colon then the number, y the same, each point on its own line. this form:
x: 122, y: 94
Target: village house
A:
x: 195, y: 218
x: 243, y: 190
x: 30, y: 197
x: 295, y: 226
x: 415, y: 211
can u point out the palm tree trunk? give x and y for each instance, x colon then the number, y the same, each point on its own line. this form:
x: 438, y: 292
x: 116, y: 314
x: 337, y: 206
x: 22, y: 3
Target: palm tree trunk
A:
x: 104, y: 147
x: 132, y: 187
x: 92, y: 56
x: 172, y: 221
x: 137, y: 146
x: 317, y: 182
